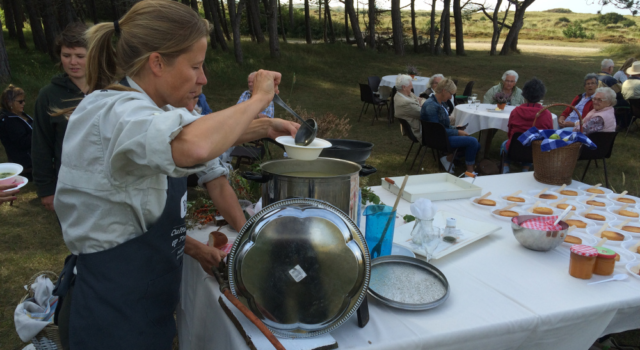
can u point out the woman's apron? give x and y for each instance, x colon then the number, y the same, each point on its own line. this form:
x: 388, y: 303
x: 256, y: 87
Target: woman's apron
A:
x: 125, y: 297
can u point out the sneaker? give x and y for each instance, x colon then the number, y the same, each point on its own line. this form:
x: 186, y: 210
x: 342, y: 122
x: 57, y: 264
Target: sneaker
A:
x: 446, y: 164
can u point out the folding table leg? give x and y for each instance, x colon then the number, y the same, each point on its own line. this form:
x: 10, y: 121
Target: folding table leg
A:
x: 361, y: 110
x: 405, y: 158
x: 585, y: 170
x: 416, y: 157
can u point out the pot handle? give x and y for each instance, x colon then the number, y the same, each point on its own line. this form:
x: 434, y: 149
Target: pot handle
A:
x: 367, y: 170
x: 251, y: 176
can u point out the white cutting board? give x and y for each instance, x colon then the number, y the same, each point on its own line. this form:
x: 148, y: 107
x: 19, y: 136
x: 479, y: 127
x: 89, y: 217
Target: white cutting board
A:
x: 442, y: 186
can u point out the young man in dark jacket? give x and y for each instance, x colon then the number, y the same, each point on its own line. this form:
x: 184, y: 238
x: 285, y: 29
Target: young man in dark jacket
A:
x: 65, y: 91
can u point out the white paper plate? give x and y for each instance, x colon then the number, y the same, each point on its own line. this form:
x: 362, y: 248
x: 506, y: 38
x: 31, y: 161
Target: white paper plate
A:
x: 527, y: 200
x: 21, y: 181
x: 499, y: 202
x: 604, y: 189
x: 628, y: 244
x: 397, y: 249
x: 632, y: 223
x: 593, y: 230
x: 579, y: 207
x: 587, y: 239
x: 526, y: 211
x: 625, y: 256
x: 578, y: 191
x: 588, y: 222
x: 614, y: 195
x: 632, y: 268
x: 493, y: 110
x: 614, y: 211
x: 495, y: 214
x: 608, y: 216
x: 532, y: 193
x: 583, y: 200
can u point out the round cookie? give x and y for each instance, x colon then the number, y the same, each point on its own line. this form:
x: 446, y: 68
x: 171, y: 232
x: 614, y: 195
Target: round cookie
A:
x: 488, y: 202
x: 612, y: 236
x: 597, y: 217
x: 573, y: 239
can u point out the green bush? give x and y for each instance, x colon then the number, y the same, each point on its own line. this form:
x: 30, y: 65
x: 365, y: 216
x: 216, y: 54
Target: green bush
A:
x: 564, y: 19
x: 628, y: 23
x: 559, y: 11
x: 576, y: 31
x: 610, y: 18
x: 483, y: 18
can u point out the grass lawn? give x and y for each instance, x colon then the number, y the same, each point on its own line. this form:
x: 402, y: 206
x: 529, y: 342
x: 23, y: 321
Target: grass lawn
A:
x: 326, y: 81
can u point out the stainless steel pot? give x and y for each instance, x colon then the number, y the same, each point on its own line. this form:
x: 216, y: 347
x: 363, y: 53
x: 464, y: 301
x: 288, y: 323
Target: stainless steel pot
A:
x: 335, y: 181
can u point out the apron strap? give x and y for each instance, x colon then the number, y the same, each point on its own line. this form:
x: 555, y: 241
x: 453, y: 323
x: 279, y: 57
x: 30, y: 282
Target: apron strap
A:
x: 64, y: 283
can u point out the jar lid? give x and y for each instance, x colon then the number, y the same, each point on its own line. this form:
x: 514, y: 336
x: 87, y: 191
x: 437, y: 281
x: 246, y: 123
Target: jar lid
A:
x: 605, y: 253
x: 584, y: 250
x: 451, y: 222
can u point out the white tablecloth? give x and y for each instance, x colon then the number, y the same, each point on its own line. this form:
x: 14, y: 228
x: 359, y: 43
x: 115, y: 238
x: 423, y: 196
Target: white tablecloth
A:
x: 503, y: 296
x: 419, y: 83
x: 483, y: 119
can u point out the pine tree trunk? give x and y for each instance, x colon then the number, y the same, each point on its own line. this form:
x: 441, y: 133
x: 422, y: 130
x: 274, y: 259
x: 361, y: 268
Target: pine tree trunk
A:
x: 17, y: 18
x: 307, y: 22
x: 324, y: 29
x: 68, y: 14
x: 51, y: 28
x: 252, y: 32
x: 272, y: 25
x: 39, y: 40
x: 346, y: 25
x: 497, y: 28
x: 432, y: 31
x: 255, y: 20
x: 446, y: 42
x: 194, y: 5
x: 355, y: 26
x: 223, y: 17
x: 457, y: 15
x: 396, y: 25
x: 372, y: 24
x: 216, y: 35
x: 5, y: 69
x: 284, y: 36
x: 116, y: 13
x: 91, y: 6
x: 511, y: 41
x: 8, y: 17
x: 414, y: 31
x: 234, y: 16
x: 291, y: 15
x: 327, y: 12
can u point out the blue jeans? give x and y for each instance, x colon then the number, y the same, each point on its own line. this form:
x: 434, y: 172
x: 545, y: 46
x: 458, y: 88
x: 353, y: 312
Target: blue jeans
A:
x: 470, y: 145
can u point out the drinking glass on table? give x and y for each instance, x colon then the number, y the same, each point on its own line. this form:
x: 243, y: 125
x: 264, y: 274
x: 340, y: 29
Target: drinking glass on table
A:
x: 470, y: 102
x: 474, y: 97
x: 477, y: 103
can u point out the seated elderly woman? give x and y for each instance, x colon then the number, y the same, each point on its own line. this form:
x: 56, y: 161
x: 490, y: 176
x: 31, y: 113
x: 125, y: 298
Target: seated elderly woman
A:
x: 433, y: 82
x: 508, y: 87
x: 407, y: 104
x: 434, y: 110
x: 582, y: 103
x: 602, y: 117
x: 16, y: 128
x: 522, y: 117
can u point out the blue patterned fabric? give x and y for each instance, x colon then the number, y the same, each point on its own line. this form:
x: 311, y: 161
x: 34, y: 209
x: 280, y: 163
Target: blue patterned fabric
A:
x: 566, y: 138
x: 267, y: 111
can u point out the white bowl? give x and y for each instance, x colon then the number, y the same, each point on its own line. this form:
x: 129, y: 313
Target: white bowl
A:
x: 583, y: 200
x: 579, y: 207
x: 631, y: 223
x: 13, y: 168
x: 532, y: 194
x: 604, y: 189
x: 614, y: 195
x: 626, y: 256
x: 632, y: 267
x: 499, y: 202
x: 579, y: 192
x: 593, y: 230
x: 614, y: 211
x: 527, y: 200
x: 526, y: 211
x: 628, y: 244
x: 587, y: 239
x: 311, y: 152
x: 608, y: 217
x: 495, y: 214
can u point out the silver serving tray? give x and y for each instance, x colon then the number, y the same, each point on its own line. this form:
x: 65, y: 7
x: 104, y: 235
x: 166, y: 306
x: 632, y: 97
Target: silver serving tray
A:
x: 407, y: 283
x: 302, y: 266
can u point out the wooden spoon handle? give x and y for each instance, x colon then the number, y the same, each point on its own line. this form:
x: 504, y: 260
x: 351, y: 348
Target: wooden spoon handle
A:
x: 541, y: 192
x: 602, y: 241
x: 624, y: 193
x: 623, y: 223
x: 515, y: 193
x: 604, y: 227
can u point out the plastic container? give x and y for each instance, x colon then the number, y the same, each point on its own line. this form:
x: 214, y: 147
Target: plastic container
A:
x: 605, y: 261
x: 377, y: 218
x: 583, y: 260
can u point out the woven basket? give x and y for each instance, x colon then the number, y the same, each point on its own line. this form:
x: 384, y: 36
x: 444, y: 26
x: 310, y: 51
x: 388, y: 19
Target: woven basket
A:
x: 556, y: 166
x: 49, y: 337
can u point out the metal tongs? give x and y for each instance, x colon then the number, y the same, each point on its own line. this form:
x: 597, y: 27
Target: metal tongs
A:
x: 220, y: 274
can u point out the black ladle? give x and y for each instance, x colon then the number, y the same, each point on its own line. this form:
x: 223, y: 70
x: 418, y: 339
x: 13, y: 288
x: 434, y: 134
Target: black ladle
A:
x: 309, y: 128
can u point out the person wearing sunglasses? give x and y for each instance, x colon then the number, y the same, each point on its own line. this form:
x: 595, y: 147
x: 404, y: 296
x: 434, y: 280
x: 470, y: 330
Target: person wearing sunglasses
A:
x: 16, y: 128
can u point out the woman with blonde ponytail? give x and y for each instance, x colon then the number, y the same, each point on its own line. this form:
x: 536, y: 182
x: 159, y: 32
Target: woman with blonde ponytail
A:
x: 121, y: 194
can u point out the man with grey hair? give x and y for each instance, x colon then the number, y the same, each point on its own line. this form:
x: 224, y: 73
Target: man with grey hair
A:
x: 268, y: 112
x: 508, y: 87
x: 605, y: 75
x: 406, y: 105
x: 582, y: 103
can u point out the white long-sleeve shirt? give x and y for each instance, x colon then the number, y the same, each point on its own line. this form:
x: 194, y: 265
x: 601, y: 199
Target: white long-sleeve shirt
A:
x: 115, y: 161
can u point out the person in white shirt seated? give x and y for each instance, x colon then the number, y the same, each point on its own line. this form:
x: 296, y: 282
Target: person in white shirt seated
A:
x: 407, y: 105
x: 621, y: 75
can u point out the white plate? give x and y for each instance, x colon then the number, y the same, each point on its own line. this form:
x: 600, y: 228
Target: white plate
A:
x: 583, y: 200
x: 526, y: 211
x: 310, y: 152
x: 495, y: 214
x: 632, y: 223
x: 527, y: 200
x: 593, y: 230
x: 587, y: 239
x: 532, y: 193
x: 632, y: 267
x: 493, y: 110
x: 14, y: 168
x: 21, y: 180
x: 580, y: 193
x: 608, y: 217
x: 604, y: 189
x: 471, y: 231
x: 499, y: 203
x: 628, y: 244
x: 588, y: 222
x: 614, y: 211
x: 579, y: 207
x: 397, y: 249
x: 614, y: 195
x: 625, y: 256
